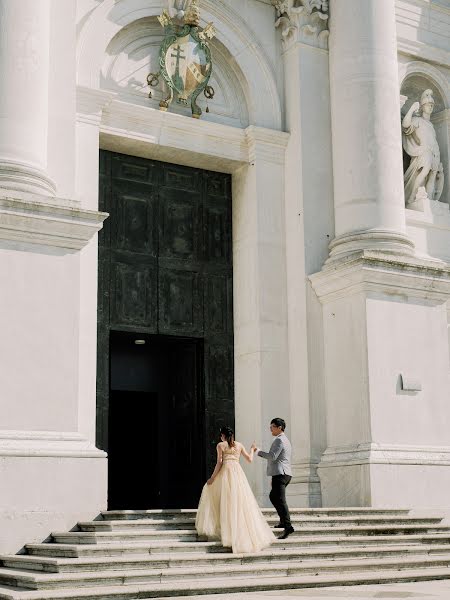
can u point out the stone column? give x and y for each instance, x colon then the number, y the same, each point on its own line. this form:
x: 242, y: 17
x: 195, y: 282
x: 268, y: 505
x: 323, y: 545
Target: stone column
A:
x: 386, y: 352
x: 365, y: 109
x: 24, y: 73
x: 259, y: 281
x: 309, y: 228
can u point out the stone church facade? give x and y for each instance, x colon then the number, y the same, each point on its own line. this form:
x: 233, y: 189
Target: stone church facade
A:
x: 164, y: 275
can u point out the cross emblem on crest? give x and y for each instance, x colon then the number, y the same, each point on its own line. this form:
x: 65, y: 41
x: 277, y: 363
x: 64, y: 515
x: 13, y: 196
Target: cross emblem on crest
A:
x: 185, y: 60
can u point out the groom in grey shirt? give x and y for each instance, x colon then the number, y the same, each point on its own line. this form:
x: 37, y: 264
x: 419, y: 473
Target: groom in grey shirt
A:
x: 279, y: 468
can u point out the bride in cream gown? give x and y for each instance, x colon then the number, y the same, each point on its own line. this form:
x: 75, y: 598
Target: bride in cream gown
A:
x: 228, y: 509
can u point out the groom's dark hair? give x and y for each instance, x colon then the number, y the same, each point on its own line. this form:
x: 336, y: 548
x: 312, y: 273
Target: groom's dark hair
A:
x: 279, y: 423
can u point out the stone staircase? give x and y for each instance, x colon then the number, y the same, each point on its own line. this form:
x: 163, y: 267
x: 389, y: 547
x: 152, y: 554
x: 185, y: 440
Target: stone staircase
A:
x: 155, y: 554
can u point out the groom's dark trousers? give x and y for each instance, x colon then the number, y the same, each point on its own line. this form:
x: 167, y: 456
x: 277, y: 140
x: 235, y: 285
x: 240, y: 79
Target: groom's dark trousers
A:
x: 278, y: 498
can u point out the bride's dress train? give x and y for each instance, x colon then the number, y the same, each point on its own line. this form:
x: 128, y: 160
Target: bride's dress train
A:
x: 228, y: 509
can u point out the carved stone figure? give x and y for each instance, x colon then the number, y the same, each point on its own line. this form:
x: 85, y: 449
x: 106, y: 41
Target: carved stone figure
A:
x: 420, y: 143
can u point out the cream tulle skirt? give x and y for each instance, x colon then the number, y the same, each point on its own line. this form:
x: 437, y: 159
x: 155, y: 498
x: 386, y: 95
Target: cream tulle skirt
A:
x: 228, y: 511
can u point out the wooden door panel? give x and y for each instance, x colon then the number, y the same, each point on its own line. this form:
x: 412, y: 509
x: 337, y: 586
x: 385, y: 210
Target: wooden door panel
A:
x: 182, y: 178
x: 217, y: 232
x: 219, y: 370
x: 179, y: 225
x: 134, y: 169
x: 135, y: 218
x: 180, y: 302
x: 216, y: 305
x: 134, y: 293
x: 217, y: 185
x: 165, y: 267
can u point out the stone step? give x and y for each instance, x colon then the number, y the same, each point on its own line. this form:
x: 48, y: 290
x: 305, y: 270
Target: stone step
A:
x: 89, y: 537
x: 232, y: 585
x: 319, y: 512
x: 297, y: 520
x: 164, y: 561
x: 93, y: 537
x: 59, y: 550
x: 38, y: 581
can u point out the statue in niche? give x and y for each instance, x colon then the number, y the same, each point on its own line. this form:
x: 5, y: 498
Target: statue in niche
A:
x: 419, y: 142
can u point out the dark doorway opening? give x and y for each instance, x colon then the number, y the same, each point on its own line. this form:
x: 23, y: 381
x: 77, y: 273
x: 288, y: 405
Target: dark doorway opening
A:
x: 156, y: 407
x: 165, y: 275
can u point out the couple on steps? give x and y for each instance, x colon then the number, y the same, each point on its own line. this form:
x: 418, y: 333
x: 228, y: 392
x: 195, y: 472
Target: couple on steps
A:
x: 228, y: 509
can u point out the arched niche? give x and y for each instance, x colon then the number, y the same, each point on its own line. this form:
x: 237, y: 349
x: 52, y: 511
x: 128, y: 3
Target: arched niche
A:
x: 134, y: 52
x: 417, y: 77
x: 113, y: 33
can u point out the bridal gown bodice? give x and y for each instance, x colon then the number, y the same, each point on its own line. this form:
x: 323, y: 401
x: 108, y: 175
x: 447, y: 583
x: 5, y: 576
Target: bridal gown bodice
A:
x: 231, y: 454
x: 228, y: 509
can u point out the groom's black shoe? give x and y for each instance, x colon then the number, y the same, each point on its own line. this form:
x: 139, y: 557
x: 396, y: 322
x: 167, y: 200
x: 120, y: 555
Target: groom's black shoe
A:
x: 278, y: 526
x: 286, y: 533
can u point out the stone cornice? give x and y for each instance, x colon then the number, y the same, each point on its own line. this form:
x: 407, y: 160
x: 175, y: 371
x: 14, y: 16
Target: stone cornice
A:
x: 166, y: 136
x: 91, y: 102
x: 373, y: 453
x: 176, y: 138
x: 304, y: 21
x: 47, y: 444
x: 423, y: 51
x: 266, y: 145
x: 372, y: 271
x: 31, y: 219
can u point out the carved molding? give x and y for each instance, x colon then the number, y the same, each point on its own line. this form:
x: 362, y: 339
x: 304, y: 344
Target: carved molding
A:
x: 379, y: 454
x: 30, y: 219
x: 304, y: 21
x: 375, y: 271
x: 47, y: 444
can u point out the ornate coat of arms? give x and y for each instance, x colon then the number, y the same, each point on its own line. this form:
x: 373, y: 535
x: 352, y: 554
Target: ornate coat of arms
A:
x: 185, y: 59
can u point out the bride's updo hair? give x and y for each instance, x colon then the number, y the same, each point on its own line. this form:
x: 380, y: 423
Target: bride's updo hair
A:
x: 228, y: 433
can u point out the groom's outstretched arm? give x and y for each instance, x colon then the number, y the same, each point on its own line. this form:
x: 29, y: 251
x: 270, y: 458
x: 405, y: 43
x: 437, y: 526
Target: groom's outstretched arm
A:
x: 274, y: 452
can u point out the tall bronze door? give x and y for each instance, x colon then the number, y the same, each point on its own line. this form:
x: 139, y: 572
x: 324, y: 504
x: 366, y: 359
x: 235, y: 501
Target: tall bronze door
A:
x: 165, y: 329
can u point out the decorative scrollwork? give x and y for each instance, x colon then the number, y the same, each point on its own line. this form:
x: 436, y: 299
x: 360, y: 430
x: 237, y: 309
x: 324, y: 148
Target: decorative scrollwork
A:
x: 184, y: 57
x: 153, y: 81
x: 209, y: 92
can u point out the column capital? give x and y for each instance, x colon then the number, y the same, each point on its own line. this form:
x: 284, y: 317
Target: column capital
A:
x: 305, y: 22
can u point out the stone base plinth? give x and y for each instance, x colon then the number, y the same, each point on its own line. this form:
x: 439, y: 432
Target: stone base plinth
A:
x: 48, y: 482
x: 382, y: 476
x: 387, y: 381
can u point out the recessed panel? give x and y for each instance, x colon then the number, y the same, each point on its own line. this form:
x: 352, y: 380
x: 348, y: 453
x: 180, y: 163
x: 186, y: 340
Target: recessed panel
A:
x: 218, y: 232
x: 182, y: 178
x: 218, y: 184
x: 216, y: 304
x: 134, y: 295
x: 135, y: 221
x: 178, y: 226
x: 219, y: 368
x: 134, y: 169
x: 180, y: 308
